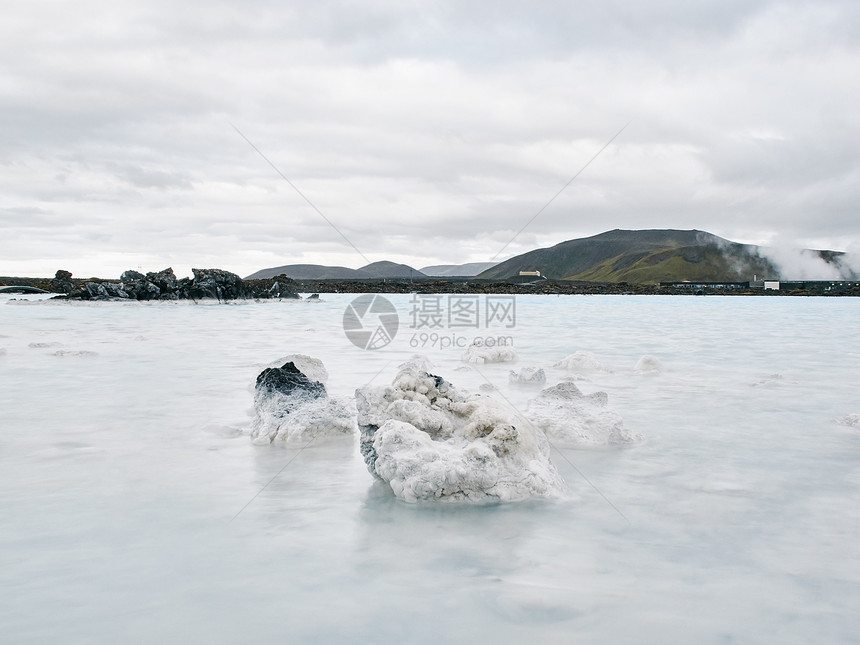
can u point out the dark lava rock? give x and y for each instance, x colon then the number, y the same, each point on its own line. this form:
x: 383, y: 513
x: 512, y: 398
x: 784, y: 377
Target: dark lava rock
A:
x: 131, y: 276
x: 165, y: 281
x: 277, y: 290
x: 62, y: 282
x: 289, y: 405
x: 365, y: 446
x: 216, y: 283
x: 281, y: 287
x: 288, y: 379
x: 164, y: 285
x: 95, y: 290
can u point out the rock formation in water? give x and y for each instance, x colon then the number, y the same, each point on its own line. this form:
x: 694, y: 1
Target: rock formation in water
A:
x: 290, y: 406
x: 62, y: 282
x: 572, y: 418
x: 850, y: 420
x: 164, y: 285
x: 581, y: 361
x: 528, y: 376
x: 480, y: 352
x: 429, y: 440
x: 648, y: 365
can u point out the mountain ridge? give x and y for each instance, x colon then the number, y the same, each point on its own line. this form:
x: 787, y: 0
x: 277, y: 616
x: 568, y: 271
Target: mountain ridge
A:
x: 465, y: 270
x: 657, y: 255
x: 645, y: 256
x: 374, y: 270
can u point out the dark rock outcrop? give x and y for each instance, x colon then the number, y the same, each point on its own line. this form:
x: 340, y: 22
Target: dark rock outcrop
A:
x: 164, y: 285
x: 288, y: 379
x: 279, y: 286
x: 62, y: 282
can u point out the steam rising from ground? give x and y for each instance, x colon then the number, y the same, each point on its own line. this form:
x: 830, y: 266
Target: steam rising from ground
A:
x: 791, y: 261
x: 804, y: 264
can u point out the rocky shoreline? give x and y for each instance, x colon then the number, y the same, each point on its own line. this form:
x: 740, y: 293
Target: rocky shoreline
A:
x: 162, y: 285
x: 223, y: 285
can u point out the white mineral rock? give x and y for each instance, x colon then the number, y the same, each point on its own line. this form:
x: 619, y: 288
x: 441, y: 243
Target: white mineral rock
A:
x: 430, y: 440
x: 648, y: 365
x: 850, y: 420
x: 480, y: 352
x: 581, y: 361
x: 569, y: 417
x: 528, y: 376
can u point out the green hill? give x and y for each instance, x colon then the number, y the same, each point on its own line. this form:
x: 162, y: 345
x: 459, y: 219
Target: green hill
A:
x: 647, y: 256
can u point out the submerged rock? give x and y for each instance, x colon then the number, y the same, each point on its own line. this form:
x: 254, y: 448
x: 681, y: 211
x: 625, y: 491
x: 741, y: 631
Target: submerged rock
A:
x: 528, y: 376
x: 770, y: 381
x: 581, y: 361
x: 850, y: 420
x: 479, y: 352
x: 289, y: 406
x: 648, y: 365
x: 84, y: 353
x: 568, y: 416
x: 429, y: 440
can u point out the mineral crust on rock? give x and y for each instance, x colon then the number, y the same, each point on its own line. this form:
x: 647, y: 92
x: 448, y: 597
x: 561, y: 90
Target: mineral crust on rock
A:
x: 569, y: 417
x: 289, y: 406
x: 430, y: 440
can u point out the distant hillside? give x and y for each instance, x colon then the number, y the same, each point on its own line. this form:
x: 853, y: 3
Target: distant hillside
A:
x: 635, y: 257
x: 310, y: 272
x: 642, y: 257
x: 460, y: 270
x: 383, y: 269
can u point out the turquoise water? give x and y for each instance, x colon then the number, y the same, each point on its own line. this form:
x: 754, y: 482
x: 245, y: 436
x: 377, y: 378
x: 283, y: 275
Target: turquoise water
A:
x: 123, y: 466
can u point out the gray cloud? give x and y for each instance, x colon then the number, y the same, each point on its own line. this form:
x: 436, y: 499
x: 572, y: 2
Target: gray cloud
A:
x: 428, y: 132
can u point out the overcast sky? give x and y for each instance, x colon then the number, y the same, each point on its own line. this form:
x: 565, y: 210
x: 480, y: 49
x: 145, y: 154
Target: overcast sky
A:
x: 427, y: 132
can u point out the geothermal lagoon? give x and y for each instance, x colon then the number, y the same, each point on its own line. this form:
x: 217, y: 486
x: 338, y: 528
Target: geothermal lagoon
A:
x: 707, y: 454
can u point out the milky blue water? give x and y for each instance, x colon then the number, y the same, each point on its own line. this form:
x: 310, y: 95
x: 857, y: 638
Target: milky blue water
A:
x: 134, y: 509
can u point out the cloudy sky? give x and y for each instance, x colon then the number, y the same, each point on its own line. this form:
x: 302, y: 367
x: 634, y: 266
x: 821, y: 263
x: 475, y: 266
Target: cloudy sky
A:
x: 426, y: 132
